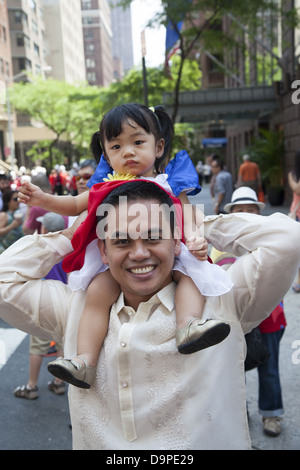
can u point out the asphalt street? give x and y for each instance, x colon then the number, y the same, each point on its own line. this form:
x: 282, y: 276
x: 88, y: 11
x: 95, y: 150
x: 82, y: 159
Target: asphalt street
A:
x: 44, y: 423
x: 40, y: 424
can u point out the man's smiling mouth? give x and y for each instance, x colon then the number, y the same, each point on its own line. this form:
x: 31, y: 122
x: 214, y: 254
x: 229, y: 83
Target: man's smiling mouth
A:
x: 144, y: 270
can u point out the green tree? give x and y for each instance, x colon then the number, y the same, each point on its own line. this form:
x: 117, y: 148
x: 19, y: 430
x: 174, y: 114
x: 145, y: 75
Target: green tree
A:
x: 130, y: 88
x: 66, y: 110
x: 202, y: 31
x: 73, y: 112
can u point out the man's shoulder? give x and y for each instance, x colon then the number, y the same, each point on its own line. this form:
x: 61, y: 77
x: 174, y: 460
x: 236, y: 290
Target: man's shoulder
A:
x: 225, y: 175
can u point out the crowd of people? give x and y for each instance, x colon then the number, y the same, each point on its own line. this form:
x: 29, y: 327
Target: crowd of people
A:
x: 222, y: 183
x: 18, y: 220
x: 147, y: 370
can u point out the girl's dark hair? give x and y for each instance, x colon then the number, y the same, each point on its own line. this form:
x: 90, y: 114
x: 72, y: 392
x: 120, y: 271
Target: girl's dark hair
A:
x: 154, y: 121
x: 296, y: 169
x: 95, y: 146
x: 6, y: 198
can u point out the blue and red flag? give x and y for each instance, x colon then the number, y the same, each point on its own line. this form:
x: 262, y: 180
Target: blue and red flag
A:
x: 172, y: 40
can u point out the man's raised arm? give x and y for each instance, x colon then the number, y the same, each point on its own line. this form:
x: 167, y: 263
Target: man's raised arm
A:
x: 268, y: 249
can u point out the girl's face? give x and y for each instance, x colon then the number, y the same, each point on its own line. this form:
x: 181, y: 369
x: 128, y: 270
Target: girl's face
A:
x: 133, y: 151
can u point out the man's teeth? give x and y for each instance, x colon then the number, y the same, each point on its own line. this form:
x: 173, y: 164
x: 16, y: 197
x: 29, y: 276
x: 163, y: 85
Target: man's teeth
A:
x: 142, y: 270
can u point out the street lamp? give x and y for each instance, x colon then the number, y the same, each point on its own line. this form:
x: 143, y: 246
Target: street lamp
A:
x: 46, y: 68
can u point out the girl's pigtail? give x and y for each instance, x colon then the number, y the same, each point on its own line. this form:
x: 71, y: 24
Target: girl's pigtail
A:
x: 167, y: 133
x: 95, y: 146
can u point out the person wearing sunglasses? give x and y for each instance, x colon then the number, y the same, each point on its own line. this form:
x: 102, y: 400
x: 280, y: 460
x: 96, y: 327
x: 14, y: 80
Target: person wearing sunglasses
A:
x: 84, y: 174
x: 11, y: 219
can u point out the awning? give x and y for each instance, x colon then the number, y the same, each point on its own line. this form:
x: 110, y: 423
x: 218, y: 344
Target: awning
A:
x: 215, y: 142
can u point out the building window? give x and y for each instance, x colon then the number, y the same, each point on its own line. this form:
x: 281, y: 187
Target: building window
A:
x: 4, y: 33
x: 22, y: 40
x: 35, y: 27
x: 36, y: 50
x: 90, y: 63
x: 87, y: 20
x: 88, y: 34
x: 24, y: 64
x: 86, y: 4
x: 20, y: 17
x: 91, y: 77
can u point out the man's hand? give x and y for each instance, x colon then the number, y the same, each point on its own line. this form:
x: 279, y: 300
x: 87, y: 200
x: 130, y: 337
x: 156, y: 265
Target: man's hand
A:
x: 69, y: 232
x: 198, y: 246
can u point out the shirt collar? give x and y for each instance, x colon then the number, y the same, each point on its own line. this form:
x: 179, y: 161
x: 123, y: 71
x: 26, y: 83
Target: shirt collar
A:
x: 165, y: 296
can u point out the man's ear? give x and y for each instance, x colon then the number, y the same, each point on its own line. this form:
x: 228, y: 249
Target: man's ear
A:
x: 102, y: 249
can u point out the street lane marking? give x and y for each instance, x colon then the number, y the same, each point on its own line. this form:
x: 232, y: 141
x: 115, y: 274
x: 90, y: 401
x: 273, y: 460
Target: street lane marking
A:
x: 10, y: 340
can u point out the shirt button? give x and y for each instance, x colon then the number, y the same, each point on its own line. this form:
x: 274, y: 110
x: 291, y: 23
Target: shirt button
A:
x: 123, y: 344
x: 125, y: 384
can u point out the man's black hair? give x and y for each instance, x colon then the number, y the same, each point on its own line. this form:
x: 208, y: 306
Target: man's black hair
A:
x: 142, y: 190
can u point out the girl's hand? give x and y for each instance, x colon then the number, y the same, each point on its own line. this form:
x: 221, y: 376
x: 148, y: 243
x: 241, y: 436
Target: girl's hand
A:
x: 198, y: 246
x: 30, y: 194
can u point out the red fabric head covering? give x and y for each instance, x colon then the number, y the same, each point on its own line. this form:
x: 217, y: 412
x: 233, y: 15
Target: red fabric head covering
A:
x: 86, y: 232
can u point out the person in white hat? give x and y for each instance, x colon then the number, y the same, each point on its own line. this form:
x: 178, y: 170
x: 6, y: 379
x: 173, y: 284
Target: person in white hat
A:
x: 270, y: 404
x: 244, y: 199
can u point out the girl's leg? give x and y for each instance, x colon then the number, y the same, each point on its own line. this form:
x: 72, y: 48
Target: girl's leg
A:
x: 102, y: 292
x: 189, y: 301
x: 80, y: 371
x: 193, y: 333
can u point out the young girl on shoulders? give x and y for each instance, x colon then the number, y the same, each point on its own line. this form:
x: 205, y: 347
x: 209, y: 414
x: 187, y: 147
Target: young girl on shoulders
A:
x: 136, y: 141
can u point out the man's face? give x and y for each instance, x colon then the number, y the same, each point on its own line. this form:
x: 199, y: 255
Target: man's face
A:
x: 82, y: 177
x: 250, y: 208
x: 141, y: 265
x: 215, y: 168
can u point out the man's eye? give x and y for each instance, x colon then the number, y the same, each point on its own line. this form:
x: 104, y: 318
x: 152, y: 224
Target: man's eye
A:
x: 122, y: 241
x: 154, y: 238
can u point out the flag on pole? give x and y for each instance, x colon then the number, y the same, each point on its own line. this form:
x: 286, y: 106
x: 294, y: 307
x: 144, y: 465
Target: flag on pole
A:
x: 172, y: 40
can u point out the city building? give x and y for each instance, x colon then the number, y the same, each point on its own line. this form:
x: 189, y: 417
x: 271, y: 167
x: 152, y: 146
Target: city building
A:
x: 5, y: 73
x: 25, y: 29
x: 97, y: 37
x: 121, y: 39
x: 252, y: 87
x: 26, y: 36
x: 64, y: 40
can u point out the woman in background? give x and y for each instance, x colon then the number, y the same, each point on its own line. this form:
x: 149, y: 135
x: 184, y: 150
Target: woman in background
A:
x: 11, y: 220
